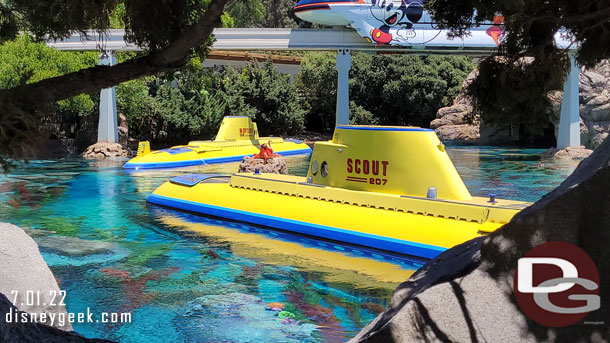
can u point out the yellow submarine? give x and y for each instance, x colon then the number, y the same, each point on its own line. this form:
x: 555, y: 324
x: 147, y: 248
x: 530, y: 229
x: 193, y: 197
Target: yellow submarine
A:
x: 236, y: 138
x: 389, y: 188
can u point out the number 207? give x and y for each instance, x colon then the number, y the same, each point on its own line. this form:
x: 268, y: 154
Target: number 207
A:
x: 376, y: 181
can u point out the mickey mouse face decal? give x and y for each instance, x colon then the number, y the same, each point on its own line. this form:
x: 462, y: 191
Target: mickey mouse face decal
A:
x: 390, y: 12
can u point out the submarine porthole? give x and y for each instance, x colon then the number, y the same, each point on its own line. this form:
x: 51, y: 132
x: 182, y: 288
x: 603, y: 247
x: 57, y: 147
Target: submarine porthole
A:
x: 324, y: 170
x: 314, y: 167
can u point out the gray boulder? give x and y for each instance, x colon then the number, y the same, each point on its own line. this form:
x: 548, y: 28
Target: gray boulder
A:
x: 23, y: 269
x: 569, y: 153
x: 465, y: 294
x: 458, y: 134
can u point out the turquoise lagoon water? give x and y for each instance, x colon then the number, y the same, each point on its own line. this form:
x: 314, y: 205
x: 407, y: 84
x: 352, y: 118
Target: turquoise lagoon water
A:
x: 186, y: 278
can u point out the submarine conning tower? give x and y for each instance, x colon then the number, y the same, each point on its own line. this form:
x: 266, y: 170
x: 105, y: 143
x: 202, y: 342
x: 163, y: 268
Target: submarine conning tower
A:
x: 407, y: 161
x: 237, y: 128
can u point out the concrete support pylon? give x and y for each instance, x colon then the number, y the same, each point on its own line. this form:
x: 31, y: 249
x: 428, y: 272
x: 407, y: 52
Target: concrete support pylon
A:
x: 569, y: 121
x: 344, y: 64
x: 107, y: 128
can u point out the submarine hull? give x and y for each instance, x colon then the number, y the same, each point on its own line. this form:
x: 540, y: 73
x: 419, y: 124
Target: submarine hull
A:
x: 185, y: 156
x: 237, y: 137
x: 407, y: 225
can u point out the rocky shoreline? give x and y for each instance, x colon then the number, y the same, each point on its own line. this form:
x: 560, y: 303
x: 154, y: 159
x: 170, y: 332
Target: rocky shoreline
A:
x: 26, y: 280
x: 458, y: 125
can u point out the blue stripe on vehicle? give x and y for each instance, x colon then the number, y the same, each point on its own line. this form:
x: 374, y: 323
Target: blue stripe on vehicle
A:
x: 176, y: 164
x: 327, y: 232
x: 383, y: 128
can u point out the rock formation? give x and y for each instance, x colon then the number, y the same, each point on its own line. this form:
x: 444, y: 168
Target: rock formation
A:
x: 465, y: 294
x: 106, y: 150
x: 453, y: 127
x: 22, y: 269
x: 273, y: 166
x: 594, y: 100
x: 456, y: 124
x: 452, y: 123
x: 569, y: 153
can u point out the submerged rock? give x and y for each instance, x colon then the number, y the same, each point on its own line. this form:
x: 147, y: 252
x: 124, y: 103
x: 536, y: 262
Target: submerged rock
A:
x: 275, y: 165
x: 74, y: 246
x: 569, y: 153
x: 247, y: 318
x: 465, y: 294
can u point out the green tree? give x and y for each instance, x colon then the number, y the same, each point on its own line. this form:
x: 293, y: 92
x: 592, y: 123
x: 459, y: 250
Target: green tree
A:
x: 173, y: 107
x: 279, y: 13
x: 509, y: 87
x: 317, y: 81
x: 247, y: 13
x: 23, y: 62
x: 267, y: 96
x: 264, y: 13
x: 179, y: 106
x: 385, y: 89
x: 170, y: 31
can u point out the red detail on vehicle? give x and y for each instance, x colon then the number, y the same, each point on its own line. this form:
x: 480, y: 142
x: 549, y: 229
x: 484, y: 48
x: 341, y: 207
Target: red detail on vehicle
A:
x: 367, y: 167
x: 381, y: 37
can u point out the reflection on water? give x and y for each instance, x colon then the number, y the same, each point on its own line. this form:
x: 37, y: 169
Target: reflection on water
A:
x: 511, y: 173
x: 188, y: 278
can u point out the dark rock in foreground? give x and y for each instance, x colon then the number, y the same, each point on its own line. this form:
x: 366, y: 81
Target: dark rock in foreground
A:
x: 23, y: 270
x: 466, y: 295
x: 34, y: 332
